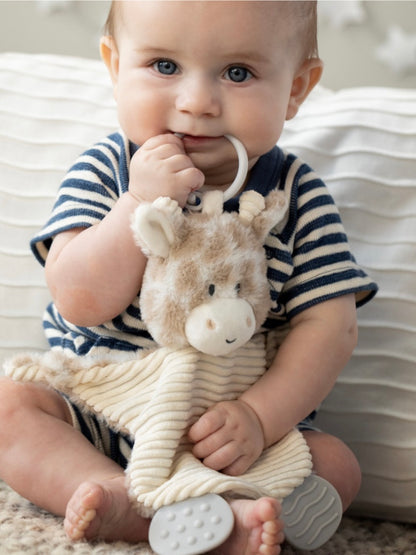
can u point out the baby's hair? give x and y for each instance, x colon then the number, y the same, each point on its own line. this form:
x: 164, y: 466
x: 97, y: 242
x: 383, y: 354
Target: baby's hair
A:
x: 110, y: 24
x: 301, y: 17
x: 305, y: 12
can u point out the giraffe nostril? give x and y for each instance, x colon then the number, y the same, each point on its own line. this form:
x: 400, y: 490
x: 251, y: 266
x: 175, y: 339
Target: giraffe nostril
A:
x: 211, y: 324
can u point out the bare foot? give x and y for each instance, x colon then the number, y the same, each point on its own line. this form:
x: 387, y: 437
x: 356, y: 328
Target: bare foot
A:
x: 257, y: 529
x: 103, y: 510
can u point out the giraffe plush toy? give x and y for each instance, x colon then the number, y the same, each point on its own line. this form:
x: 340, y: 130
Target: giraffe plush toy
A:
x: 204, y: 297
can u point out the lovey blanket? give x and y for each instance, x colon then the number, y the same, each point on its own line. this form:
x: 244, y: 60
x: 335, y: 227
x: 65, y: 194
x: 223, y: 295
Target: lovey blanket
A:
x: 155, y: 396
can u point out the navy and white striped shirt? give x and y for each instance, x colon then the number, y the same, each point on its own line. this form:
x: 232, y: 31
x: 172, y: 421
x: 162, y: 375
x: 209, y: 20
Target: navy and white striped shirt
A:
x: 310, y: 263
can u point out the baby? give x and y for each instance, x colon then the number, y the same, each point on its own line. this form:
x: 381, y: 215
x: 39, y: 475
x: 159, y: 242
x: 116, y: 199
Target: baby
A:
x: 185, y: 74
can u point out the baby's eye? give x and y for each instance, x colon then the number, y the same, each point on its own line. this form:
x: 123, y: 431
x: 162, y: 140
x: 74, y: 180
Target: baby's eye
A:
x: 166, y: 67
x: 238, y: 74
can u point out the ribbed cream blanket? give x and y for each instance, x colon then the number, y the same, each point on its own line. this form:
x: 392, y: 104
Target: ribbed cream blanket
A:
x: 155, y: 397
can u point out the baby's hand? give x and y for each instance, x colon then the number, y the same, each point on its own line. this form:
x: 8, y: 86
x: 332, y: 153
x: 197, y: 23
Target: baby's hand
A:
x: 161, y: 168
x: 228, y: 437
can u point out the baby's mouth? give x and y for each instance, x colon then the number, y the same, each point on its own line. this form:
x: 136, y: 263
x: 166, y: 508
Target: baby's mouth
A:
x: 197, y: 137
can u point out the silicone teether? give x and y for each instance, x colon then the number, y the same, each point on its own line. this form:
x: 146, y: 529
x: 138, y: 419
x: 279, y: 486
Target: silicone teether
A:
x: 194, y: 200
x: 311, y: 513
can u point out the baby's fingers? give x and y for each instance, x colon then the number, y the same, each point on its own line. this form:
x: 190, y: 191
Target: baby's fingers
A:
x: 191, y: 178
x: 238, y: 466
x: 162, y: 140
x: 224, y: 457
x: 207, y: 424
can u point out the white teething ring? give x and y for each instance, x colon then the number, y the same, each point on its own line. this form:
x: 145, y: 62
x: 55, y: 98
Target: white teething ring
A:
x: 242, y: 168
x: 238, y: 180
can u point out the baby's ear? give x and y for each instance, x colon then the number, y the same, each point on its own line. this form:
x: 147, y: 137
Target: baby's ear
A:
x: 109, y: 55
x: 305, y: 79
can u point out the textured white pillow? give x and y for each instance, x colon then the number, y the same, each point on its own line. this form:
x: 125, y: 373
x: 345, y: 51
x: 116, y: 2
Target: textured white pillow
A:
x: 361, y: 141
x: 51, y: 108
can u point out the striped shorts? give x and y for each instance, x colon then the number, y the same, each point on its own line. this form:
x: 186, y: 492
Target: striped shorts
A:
x: 115, y: 445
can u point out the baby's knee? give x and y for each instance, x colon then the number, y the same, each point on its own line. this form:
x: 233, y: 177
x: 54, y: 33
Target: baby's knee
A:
x: 20, y: 401
x: 11, y: 398
x: 10, y: 410
x: 15, y: 399
x: 334, y: 461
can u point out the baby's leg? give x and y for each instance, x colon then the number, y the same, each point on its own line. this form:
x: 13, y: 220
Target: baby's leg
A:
x: 335, y: 462
x: 47, y: 461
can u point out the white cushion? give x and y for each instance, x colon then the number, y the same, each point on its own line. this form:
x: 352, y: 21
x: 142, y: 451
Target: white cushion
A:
x: 51, y: 108
x: 361, y: 141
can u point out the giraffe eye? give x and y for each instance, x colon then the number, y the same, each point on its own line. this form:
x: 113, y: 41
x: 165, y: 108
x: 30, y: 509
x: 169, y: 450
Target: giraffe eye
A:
x: 211, y: 289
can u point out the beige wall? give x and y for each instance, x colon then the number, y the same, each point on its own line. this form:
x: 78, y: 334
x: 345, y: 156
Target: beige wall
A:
x: 63, y: 27
x: 349, y: 52
x: 73, y: 28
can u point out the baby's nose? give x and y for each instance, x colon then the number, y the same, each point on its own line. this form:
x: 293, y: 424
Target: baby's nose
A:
x: 199, y: 97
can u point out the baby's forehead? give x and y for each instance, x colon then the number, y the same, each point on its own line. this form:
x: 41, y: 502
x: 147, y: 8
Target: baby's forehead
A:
x: 266, y: 15
x: 278, y: 19
x: 279, y: 8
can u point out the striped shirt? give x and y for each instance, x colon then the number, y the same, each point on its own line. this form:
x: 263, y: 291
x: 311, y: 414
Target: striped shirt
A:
x: 309, y: 260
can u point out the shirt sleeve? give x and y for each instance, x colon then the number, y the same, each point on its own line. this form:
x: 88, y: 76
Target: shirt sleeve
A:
x: 316, y: 258
x: 88, y: 192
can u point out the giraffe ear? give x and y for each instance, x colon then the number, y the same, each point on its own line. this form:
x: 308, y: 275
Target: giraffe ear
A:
x: 263, y: 214
x: 153, y: 226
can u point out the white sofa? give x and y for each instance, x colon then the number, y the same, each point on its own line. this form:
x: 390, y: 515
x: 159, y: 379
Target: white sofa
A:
x: 361, y: 141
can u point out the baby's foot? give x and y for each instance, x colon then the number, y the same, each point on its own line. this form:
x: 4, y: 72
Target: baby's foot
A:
x: 103, y: 510
x: 257, y: 530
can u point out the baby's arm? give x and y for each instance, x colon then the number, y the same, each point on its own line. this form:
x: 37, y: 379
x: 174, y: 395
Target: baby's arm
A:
x: 95, y: 273
x: 231, y: 435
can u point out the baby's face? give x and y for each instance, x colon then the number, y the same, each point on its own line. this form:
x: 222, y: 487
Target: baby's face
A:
x: 205, y: 69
